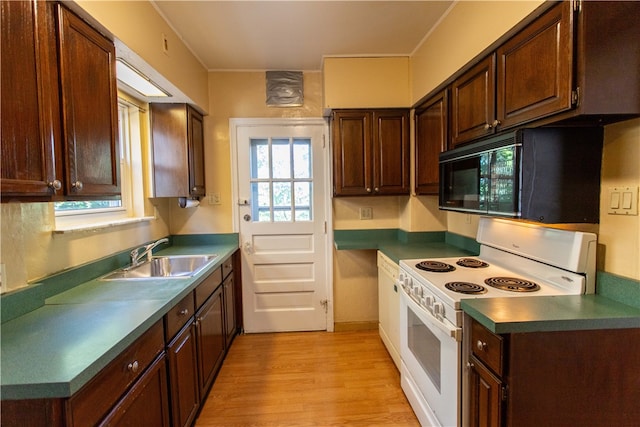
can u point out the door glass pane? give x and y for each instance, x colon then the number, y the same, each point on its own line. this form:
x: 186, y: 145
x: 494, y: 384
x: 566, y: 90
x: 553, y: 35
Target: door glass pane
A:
x: 281, y: 180
x: 260, y: 158
x: 281, y: 152
x: 302, y: 158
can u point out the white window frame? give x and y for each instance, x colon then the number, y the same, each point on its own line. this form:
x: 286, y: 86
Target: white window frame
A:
x: 131, y: 181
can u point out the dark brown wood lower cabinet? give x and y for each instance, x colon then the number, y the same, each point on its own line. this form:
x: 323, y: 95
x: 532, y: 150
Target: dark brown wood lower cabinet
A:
x: 147, y: 403
x: 183, y: 376
x: 586, y: 378
x: 484, y: 401
x: 211, y: 339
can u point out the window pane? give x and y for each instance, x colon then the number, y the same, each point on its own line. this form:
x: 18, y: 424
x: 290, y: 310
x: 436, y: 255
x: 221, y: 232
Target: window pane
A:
x: 259, y: 159
x: 282, y: 216
x: 87, y: 204
x: 281, y: 153
x: 302, y: 158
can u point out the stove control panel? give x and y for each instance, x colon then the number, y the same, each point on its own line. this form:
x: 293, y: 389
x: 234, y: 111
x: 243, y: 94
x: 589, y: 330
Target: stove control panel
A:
x: 421, y: 295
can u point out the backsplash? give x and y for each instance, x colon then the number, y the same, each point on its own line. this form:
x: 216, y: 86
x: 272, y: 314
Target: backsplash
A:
x: 621, y: 289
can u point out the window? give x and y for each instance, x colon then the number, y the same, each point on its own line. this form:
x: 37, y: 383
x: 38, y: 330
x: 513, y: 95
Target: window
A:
x: 80, y: 214
x: 281, y: 179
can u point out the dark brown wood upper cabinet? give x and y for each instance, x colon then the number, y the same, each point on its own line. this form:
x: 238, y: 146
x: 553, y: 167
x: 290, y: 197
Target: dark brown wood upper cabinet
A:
x: 432, y: 123
x: 59, y: 108
x: 371, y: 152
x: 535, y: 69
x: 89, y: 106
x: 178, y: 151
x: 473, y: 103
x: 576, y: 63
x: 30, y: 104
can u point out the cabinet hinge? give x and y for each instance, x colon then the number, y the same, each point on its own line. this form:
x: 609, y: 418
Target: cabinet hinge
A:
x: 324, y: 141
x: 324, y: 227
x: 577, y: 6
x: 325, y: 304
x: 504, y: 394
x: 575, y: 96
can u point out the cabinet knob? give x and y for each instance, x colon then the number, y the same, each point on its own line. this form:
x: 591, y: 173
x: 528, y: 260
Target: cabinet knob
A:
x: 487, y: 126
x: 495, y: 123
x: 133, y: 366
x: 77, y: 185
x: 184, y: 312
x: 376, y: 189
x: 481, y: 345
x: 470, y: 365
x: 368, y: 190
x: 55, y: 184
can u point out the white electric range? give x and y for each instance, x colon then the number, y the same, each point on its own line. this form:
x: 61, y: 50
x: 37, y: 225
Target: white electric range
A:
x: 516, y: 259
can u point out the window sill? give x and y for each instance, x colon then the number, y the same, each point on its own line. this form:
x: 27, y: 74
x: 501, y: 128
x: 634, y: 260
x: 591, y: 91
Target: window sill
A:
x: 96, y: 226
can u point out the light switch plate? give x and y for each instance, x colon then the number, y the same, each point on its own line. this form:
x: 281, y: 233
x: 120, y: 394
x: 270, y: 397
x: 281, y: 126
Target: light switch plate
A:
x: 213, y: 198
x: 623, y: 200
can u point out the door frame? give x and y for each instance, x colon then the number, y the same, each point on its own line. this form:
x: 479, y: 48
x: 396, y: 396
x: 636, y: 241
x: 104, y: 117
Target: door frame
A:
x: 234, y: 124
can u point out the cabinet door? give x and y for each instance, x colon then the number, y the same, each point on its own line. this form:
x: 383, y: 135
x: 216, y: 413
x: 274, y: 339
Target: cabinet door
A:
x: 29, y: 112
x: 211, y: 339
x: 535, y: 69
x: 473, y: 103
x: 195, y: 135
x: 485, y: 403
x: 391, y: 152
x: 432, y: 122
x: 89, y: 109
x: 229, y: 310
x: 147, y: 403
x: 183, y: 376
x: 352, y: 153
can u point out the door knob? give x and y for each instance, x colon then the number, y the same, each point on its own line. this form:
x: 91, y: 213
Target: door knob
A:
x: 247, y: 217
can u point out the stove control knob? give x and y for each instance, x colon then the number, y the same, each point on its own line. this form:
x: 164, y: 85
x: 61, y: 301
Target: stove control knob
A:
x: 419, y: 291
x: 428, y: 301
x: 438, y: 310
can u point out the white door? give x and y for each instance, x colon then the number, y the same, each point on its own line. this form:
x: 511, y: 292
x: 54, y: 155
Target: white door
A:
x: 281, y: 189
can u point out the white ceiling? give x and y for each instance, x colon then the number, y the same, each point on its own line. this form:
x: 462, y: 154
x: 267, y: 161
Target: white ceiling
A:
x: 295, y: 35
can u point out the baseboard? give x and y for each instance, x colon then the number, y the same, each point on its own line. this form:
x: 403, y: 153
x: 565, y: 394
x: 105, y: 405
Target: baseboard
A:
x: 354, y: 326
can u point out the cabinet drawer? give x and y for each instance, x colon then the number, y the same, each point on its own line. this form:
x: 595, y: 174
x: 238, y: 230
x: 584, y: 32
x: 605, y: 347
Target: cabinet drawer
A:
x: 96, y: 398
x: 176, y: 318
x: 208, y: 285
x: 487, y: 347
x: 227, y: 267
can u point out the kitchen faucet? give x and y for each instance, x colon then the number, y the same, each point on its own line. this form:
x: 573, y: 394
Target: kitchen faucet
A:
x: 147, y: 250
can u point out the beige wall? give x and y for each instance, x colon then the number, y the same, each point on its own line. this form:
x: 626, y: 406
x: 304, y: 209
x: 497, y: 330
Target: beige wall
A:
x: 619, y: 236
x: 366, y: 82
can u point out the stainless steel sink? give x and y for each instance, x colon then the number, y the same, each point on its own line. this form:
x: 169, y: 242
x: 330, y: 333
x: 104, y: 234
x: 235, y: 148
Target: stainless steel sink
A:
x: 172, y: 266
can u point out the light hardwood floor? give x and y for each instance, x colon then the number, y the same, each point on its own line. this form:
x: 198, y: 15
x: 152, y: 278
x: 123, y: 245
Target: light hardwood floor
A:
x: 307, y: 379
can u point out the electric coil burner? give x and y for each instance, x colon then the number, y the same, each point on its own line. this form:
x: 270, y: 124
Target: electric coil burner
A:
x: 472, y: 263
x: 435, y: 266
x: 465, y: 288
x: 512, y: 284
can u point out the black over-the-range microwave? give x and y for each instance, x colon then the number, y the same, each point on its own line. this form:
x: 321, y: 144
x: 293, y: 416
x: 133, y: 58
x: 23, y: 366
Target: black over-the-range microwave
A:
x: 549, y: 175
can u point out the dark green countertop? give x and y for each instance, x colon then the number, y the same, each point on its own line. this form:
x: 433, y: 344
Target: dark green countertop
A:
x: 398, y: 244
x: 52, y: 351
x: 551, y: 313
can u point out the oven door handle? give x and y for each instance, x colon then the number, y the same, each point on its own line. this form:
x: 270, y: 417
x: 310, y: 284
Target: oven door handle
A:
x: 452, y: 331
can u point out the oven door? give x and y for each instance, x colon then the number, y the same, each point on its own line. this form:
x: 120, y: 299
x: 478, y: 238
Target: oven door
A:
x: 431, y: 355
